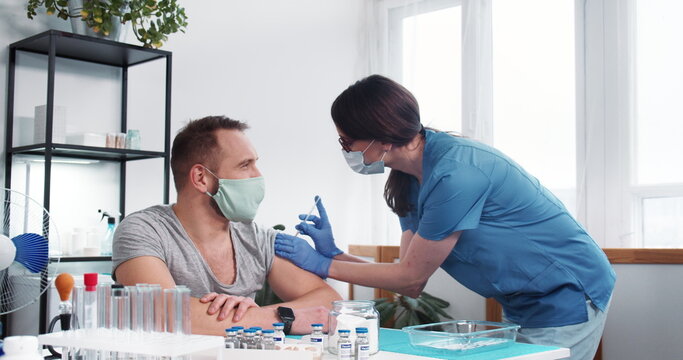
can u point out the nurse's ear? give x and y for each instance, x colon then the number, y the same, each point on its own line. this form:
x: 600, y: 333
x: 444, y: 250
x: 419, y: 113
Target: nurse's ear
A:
x: 386, y: 147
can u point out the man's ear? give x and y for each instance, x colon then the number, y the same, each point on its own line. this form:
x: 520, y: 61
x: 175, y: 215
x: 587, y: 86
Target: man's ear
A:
x: 199, y: 178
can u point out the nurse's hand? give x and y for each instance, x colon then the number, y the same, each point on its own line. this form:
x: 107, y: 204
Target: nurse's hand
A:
x: 320, y: 231
x: 225, y: 303
x: 298, y: 251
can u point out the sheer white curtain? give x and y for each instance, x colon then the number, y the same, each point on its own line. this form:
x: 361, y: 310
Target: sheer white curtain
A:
x: 441, y: 51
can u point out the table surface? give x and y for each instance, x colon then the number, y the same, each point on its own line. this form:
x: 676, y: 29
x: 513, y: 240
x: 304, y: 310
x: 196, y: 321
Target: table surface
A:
x: 395, y: 344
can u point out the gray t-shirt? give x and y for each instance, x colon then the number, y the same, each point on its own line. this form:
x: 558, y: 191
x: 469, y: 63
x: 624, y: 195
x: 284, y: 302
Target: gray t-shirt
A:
x: 156, y: 231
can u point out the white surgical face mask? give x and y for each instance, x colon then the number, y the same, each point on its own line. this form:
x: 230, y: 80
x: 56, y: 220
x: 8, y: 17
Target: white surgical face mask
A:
x: 357, y: 163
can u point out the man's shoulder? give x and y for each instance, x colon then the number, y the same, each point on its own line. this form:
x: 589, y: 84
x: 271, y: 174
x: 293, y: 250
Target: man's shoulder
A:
x: 156, y: 213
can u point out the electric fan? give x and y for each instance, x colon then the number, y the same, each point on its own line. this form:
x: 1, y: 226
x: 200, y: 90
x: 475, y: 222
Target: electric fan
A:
x: 28, y: 242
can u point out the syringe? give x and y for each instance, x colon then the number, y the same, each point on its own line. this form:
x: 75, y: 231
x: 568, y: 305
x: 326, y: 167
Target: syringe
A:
x: 317, y: 199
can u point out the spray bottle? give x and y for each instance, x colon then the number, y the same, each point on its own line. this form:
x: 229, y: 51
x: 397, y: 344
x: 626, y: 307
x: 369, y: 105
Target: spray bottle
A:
x: 107, y: 242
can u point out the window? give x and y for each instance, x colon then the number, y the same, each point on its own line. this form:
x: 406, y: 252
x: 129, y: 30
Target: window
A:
x: 534, y: 90
x: 658, y: 150
x: 426, y: 37
x: 585, y: 95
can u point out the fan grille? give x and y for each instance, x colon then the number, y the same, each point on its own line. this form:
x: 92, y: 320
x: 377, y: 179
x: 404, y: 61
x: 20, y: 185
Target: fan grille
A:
x: 20, y: 214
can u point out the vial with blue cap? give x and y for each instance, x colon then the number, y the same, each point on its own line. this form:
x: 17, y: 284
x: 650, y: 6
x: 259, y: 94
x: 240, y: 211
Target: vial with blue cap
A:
x: 362, y: 344
x: 279, y: 335
x: 344, y: 345
x: 317, y: 334
x: 231, y: 340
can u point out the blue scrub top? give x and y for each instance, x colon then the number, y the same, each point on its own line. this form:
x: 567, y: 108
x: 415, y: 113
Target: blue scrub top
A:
x: 519, y: 244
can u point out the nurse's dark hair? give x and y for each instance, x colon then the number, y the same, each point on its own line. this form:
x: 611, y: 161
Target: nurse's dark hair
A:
x: 378, y: 108
x: 196, y: 143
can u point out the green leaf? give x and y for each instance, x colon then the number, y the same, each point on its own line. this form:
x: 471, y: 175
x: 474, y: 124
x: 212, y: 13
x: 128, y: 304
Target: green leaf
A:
x: 387, y: 314
x: 426, y: 319
x: 428, y: 310
x: 380, y: 300
x: 413, y: 320
x: 402, y: 321
x: 433, y: 299
x: 410, y: 303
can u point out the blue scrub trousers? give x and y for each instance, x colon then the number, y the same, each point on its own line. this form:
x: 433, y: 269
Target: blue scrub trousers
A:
x: 582, y: 339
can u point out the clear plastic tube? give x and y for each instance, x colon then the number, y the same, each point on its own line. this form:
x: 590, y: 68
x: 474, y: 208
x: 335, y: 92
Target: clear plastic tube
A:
x: 177, y: 305
x: 104, y: 306
x: 77, y: 311
x: 146, y: 307
x: 157, y: 297
x: 184, y: 316
x: 78, y: 306
x: 170, y: 309
x: 135, y: 306
x: 120, y: 308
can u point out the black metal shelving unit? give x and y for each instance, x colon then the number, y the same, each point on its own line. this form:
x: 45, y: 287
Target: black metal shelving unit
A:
x: 57, y: 44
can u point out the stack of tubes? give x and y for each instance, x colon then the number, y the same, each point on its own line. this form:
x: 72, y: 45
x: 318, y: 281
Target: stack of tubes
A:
x: 121, y: 313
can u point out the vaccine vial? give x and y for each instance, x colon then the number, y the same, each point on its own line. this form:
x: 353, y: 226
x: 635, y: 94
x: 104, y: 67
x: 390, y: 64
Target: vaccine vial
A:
x: 362, y: 344
x: 231, y: 340
x: 279, y: 336
x: 258, y: 339
x: 248, y: 342
x: 344, y: 345
x: 317, y: 334
x: 267, y: 342
x: 240, y: 333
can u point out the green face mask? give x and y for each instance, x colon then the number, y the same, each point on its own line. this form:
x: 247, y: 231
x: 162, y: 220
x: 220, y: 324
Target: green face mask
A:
x: 239, y: 199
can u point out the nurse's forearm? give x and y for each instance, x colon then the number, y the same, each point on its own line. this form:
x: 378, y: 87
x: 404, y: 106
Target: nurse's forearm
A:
x: 396, y: 277
x: 350, y: 258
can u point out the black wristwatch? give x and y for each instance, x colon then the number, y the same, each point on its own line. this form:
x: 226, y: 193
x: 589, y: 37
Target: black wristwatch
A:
x: 287, y: 316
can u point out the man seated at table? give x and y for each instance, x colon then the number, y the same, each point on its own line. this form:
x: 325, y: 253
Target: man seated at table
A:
x: 208, y: 242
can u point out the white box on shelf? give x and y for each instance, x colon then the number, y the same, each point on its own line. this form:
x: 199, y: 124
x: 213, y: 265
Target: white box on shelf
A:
x: 58, y: 124
x: 86, y: 139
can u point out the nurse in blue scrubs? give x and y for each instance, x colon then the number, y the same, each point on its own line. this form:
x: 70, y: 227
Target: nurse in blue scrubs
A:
x: 469, y: 209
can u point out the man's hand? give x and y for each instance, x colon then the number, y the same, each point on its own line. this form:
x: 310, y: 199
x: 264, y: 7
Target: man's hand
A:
x: 225, y: 303
x: 306, y: 316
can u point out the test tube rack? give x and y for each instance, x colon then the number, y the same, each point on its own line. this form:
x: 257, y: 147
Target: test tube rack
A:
x: 142, y: 343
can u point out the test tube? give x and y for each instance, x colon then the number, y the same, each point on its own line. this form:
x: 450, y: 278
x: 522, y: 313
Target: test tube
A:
x: 157, y: 298
x: 77, y: 297
x: 146, y: 305
x: 135, y: 306
x: 120, y: 316
x: 120, y: 308
x: 103, y: 306
x: 184, y: 301
x: 77, y: 311
x: 177, y: 305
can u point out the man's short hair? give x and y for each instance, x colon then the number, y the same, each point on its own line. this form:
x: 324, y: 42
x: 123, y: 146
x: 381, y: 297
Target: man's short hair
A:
x: 196, y: 144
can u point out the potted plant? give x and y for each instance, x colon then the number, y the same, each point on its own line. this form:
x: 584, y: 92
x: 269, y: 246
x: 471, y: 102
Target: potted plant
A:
x: 152, y: 20
x: 401, y: 311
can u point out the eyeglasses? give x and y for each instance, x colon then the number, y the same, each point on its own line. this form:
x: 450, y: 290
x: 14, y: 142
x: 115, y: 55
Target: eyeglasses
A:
x: 346, y: 143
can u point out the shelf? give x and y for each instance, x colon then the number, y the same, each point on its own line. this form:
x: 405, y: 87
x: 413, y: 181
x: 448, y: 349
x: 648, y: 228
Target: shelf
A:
x: 71, y: 46
x: 87, y: 152
x: 64, y: 259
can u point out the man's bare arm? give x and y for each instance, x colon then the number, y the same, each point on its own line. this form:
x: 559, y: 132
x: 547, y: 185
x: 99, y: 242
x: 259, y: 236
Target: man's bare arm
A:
x: 152, y: 270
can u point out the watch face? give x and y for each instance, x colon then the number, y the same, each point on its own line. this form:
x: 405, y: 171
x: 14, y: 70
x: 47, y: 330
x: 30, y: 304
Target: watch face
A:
x: 285, y: 313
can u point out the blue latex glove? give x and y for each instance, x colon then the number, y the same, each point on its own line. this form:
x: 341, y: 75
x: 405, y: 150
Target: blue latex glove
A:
x: 320, y: 231
x: 298, y: 251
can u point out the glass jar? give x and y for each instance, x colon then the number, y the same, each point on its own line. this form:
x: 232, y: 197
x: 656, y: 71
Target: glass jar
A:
x: 349, y: 315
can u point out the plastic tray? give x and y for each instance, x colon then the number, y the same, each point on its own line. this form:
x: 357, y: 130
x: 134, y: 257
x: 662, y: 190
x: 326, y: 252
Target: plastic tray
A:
x: 461, y: 336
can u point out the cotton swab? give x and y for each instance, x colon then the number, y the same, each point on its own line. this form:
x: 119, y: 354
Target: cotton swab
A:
x: 309, y: 214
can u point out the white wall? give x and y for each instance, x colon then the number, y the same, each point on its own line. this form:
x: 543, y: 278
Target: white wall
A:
x: 645, y: 320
